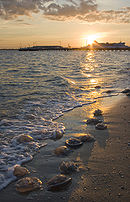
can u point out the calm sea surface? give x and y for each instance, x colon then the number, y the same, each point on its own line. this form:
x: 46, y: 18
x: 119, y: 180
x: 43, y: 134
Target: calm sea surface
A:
x: 38, y: 87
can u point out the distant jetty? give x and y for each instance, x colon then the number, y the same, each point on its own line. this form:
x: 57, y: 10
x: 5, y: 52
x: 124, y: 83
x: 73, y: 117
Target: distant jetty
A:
x: 94, y: 46
x: 42, y: 48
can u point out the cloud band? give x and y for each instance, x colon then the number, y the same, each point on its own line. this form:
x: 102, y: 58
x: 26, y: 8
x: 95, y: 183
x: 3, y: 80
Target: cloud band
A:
x: 83, y: 10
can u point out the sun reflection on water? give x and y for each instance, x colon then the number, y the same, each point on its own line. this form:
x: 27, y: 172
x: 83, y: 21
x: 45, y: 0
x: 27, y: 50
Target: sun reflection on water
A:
x: 88, y: 68
x: 94, y: 81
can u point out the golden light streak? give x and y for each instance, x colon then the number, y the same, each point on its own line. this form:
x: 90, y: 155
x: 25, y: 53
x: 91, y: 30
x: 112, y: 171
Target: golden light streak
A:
x: 89, y: 39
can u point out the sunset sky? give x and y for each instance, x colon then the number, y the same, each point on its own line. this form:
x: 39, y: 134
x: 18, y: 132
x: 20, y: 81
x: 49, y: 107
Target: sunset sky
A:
x: 62, y: 22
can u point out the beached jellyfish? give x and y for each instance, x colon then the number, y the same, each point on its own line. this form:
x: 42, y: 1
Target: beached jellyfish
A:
x: 20, y: 171
x: 101, y: 126
x: 56, y: 135
x: 73, y: 142
x: 68, y: 167
x: 28, y: 184
x: 86, y: 138
x: 93, y: 121
x: 58, y: 182
x: 24, y: 138
x: 62, y: 150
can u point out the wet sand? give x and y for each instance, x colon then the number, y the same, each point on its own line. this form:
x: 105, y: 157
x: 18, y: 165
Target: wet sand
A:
x: 104, y: 164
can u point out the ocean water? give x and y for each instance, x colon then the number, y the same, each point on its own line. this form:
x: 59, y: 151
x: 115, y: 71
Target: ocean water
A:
x: 38, y: 87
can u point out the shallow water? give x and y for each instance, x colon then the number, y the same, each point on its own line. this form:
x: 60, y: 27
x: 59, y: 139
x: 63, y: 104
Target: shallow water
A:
x: 38, y: 87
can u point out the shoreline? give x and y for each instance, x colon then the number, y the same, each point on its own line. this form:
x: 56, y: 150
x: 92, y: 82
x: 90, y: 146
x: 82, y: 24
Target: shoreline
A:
x: 97, y: 159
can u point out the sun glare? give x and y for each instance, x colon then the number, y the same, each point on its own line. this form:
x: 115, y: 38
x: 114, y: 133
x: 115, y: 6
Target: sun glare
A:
x: 89, y: 39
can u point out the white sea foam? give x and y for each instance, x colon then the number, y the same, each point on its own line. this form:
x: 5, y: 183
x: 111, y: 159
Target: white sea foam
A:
x: 14, y: 152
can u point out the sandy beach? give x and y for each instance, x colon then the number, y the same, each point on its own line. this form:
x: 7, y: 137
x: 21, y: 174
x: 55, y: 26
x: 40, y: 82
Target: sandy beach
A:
x: 104, y: 164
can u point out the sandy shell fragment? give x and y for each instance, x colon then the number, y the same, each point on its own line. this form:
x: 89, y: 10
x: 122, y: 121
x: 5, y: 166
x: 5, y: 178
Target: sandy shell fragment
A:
x: 93, y: 121
x: 28, y: 184
x: 62, y: 150
x: 101, y: 126
x: 20, y: 171
x: 68, y: 167
x: 98, y: 112
x: 24, y: 138
x: 58, y: 182
x: 86, y: 138
x: 73, y: 142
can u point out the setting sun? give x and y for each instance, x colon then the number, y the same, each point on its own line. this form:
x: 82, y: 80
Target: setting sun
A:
x: 91, y: 39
